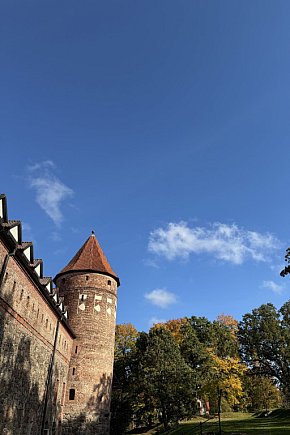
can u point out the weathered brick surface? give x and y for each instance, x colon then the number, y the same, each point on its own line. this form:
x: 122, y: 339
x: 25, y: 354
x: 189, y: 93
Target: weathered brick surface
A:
x: 91, y: 298
x: 27, y: 331
x: 28, y: 327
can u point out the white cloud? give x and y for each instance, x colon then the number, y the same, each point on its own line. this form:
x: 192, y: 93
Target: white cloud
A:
x: 50, y: 191
x: 46, y: 164
x: 160, y: 297
x: 151, y: 263
x: 276, y: 288
x: 224, y: 242
x: 155, y: 320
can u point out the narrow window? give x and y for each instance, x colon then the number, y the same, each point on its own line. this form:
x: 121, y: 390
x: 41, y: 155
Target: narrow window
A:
x: 63, y: 394
x: 109, y: 282
x: 63, y: 280
x: 56, y: 385
x: 72, y: 393
x: 74, y: 370
x: 27, y: 301
x: 82, y: 298
x: 76, y: 350
x: 21, y: 294
x: 87, y: 278
x: 46, y: 323
x: 6, y: 277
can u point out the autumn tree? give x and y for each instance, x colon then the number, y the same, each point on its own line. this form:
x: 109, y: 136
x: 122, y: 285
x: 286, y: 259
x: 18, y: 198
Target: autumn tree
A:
x: 229, y: 322
x: 211, y: 348
x: 164, y: 377
x: 174, y: 326
x: 226, y: 375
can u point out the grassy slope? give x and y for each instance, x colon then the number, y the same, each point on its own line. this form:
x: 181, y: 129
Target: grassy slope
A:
x: 278, y: 423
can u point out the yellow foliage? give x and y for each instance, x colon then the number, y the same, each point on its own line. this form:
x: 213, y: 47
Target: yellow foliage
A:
x: 229, y: 322
x: 227, y: 377
x: 174, y: 326
x: 125, y: 338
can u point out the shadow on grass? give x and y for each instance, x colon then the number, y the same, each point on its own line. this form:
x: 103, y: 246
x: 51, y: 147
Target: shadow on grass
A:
x: 277, y: 423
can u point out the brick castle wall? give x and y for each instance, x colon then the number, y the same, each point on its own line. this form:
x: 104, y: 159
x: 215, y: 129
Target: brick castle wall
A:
x: 34, y: 333
x: 27, y: 331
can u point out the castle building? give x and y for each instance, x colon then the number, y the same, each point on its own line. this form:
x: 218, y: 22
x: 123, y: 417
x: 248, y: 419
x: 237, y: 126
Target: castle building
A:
x: 56, y: 341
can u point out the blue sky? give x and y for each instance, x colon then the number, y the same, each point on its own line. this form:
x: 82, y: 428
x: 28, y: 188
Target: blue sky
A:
x: 164, y: 126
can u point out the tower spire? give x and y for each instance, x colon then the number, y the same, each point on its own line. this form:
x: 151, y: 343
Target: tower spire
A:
x: 89, y: 258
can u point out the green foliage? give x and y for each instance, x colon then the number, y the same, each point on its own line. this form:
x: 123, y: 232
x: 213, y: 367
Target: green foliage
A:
x: 164, y: 378
x: 123, y: 401
x: 261, y: 393
x: 121, y: 412
x: 160, y: 374
x: 264, y: 342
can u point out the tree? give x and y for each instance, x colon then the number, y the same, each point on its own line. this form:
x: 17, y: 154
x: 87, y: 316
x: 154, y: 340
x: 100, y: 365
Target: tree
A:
x: 286, y: 269
x: 226, y: 377
x: 211, y: 348
x: 260, y: 393
x: 196, y: 355
x: 125, y: 342
x: 264, y: 338
x: 164, y: 377
x: 228, y: 321
x: 123, y: 400
x: 224, y: 342
x: 174, y: 326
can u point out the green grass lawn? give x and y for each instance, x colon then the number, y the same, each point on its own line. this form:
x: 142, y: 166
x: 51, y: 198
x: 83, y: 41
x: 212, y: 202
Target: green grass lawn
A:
x: 277, y: 423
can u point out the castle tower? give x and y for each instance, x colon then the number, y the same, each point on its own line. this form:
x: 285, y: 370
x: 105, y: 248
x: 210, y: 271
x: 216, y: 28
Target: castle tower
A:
x: 89, y: 287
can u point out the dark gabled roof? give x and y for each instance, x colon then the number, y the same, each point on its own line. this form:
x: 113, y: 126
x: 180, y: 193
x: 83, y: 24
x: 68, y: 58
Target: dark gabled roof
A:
x: 89, y: 258
x: 17, y: 249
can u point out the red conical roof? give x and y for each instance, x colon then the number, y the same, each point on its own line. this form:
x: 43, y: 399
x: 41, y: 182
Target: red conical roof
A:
x: 89, y: 258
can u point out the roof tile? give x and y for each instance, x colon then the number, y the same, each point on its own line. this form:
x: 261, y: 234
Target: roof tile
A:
x: 89, y: 257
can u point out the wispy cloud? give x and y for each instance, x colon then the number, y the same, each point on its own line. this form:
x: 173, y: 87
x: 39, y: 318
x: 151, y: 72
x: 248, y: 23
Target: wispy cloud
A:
x: 225, y: 242
x: 155, y: 320
x: 151, y: 263
x: 50, y: 191
x: 276, y: 288
x: 161, y: 297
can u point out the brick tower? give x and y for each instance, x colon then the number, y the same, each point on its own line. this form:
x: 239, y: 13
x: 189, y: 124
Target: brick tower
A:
x: 89, y: 287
